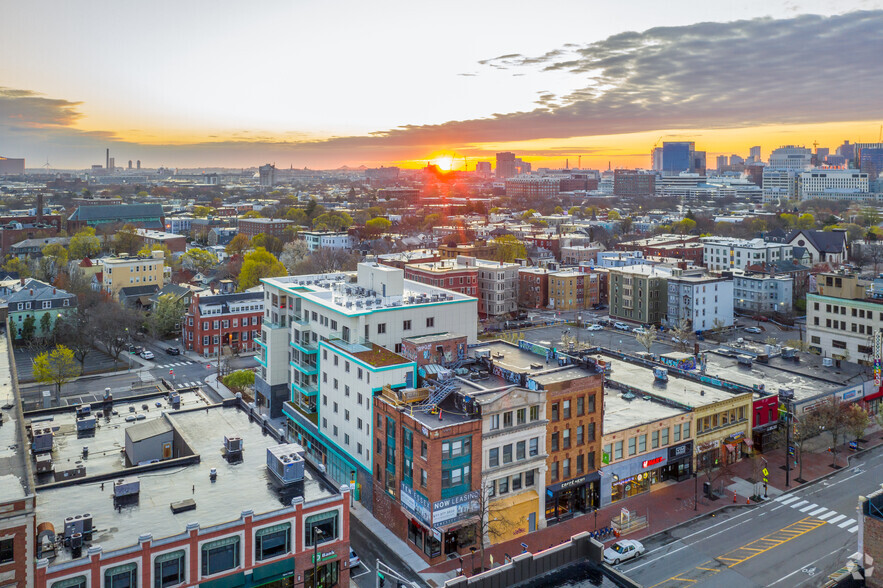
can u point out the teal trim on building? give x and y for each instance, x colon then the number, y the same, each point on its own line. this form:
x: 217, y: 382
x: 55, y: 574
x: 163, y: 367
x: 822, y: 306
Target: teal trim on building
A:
x: 368, y: 366
x: 260, y: 361
x: 304, y: 371
x: 303, y: 349
x: 312, y: 391
x: 261, y: 343
x: 231, y: 581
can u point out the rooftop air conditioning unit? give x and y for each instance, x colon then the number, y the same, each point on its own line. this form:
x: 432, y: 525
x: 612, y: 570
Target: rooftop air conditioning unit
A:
x: 286, y: 462
x: 126, y: 487
x: 232, y: 443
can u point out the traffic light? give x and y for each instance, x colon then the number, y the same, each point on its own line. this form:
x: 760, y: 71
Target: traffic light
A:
x: 790, y: 450
x: 381, y: 580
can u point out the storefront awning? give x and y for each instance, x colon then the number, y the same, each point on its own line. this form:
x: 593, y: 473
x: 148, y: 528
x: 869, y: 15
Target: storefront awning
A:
x: 730, y: 448
x: 514, y: 500
x: 457, y: 524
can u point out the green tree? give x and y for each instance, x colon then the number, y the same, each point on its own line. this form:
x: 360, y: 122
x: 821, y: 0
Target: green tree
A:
x: 56, y: 252
x: 147, y: 251
x: 575, y: 211
x: 28, y: 328
x: 84, y: 244
x: 377, y: 226
x: 58, y: 367
x: 509, y: 248
x: 806, y: 221
x: 299, y: 216
x: 239, y: 380
x: 18, y: 266
x: 613, y: 215
x: 251, y: 214
x: 126, y: 240
x: 332, y: 221
x: 198, y: 260
x: 203, y: 211
x: 166, y: 315
x: 683, y: 227
x: 258, y: 264
x: 272, y: 244
x: 558, y: 210
x: 237, y: 245
x: 45, y: 324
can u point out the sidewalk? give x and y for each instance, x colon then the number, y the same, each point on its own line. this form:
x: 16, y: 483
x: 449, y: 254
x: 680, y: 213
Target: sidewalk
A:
x: 674, y: 504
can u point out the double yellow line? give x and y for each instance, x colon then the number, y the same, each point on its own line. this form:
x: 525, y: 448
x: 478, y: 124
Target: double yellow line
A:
x: 742, y: 554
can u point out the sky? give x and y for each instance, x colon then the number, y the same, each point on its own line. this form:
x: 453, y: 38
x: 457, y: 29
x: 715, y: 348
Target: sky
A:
x: 324, y: 84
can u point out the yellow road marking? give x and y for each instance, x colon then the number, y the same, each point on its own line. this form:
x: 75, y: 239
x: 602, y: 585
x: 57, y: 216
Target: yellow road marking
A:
x: 755, y: 548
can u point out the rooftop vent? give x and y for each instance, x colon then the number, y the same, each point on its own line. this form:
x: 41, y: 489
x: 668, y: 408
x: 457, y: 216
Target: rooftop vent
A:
x: 126, y: 487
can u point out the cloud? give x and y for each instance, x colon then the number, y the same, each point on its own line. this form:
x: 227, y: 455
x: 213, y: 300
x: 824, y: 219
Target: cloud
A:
x: 740, y: 74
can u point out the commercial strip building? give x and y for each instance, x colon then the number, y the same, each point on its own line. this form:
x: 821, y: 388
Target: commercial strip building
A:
x: 214, y: 321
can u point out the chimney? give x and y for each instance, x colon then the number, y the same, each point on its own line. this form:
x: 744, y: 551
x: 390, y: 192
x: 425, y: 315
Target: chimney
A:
x: 53, y: 290
x: 22, y: 282
x: 32, y: 292
x: 40, y: 207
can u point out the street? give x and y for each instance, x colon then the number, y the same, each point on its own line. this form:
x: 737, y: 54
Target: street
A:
x: 370, y: 549
x: 797, y: 539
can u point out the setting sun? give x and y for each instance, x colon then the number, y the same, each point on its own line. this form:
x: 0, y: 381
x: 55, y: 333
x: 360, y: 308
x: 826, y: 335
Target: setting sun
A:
x: 444, y: 162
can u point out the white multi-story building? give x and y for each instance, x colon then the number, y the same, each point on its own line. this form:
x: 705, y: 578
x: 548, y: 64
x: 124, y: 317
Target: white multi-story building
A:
x: 779, y: 185
x: 330, y: 340
x: 497, y: 286
x: 705, y: 301
x: 621, y: 258
x: 513, y: 461
x: 843, y: 316
x: 178, y: 224
x: 832, y: 183
x: 756, y: 292
x: 327, y: 240
x: 726, y: 253
x: 791, y: 157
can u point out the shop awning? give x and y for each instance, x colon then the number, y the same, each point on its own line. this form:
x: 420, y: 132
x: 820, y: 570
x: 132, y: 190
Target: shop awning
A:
x: 457, y: 524
x: 730, y: 448
x: 749, y: 442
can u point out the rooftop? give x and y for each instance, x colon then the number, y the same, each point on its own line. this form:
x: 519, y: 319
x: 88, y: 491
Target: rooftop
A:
x: 435, y: 337
x: 240, y: 486
x: 621, y: 414
x: 370, y: 353
x: 14, y: 483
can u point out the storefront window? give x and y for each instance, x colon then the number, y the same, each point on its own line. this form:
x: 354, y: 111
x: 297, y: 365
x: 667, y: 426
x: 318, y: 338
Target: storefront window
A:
x: 325, y: 576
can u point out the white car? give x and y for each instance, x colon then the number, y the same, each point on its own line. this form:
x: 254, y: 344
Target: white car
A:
x: 594, y: 328
x: 754, y: 330
x: 147, y: 354
x: 639, y: 330
x: 677, y: 340
x: 621, y: 326
x: 354, y: 559
x: 622, y: 551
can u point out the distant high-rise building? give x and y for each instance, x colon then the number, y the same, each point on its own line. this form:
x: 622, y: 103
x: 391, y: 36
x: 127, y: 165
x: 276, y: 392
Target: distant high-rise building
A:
x: 656, y: 159
x: 736, y: 160
x: 627, y: 182
x: 678, y: 156
x: 822, y: 153
x: 870, y: 159
x: 755, y: 152
x: 522, y: 167
x: 111, y: 165
x: 107, y: 159
x: 699, y: 166
x: 506, y: 165
x: 138, y: 164
x: 846, y: 150
x: 483, y: 168
x: 791, y: 157
x: 130, y: 164
x: 9, y: 166
x: 267, y: 175
x: 721, y: 162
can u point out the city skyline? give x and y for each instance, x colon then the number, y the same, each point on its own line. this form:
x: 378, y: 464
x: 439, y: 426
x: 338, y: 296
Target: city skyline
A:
x: 238, y: 87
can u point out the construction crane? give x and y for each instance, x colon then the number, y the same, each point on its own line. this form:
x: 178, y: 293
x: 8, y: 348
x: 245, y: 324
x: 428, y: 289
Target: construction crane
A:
x: 579, y: 162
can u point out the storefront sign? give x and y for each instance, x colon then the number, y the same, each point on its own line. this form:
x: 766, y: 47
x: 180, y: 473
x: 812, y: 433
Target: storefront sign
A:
x: 682, y: 450
x: 574, y: 483
x: 652, y: 462
x: 451, y: 510
x: 736, y: 436
x: 850, y: 395
x: 416, y: 503
x: 324, y: 556
x: 708, y: 445
x: 631, y: 479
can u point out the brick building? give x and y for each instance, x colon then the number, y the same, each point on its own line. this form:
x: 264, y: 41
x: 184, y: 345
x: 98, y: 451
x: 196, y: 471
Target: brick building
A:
x: 268, y: 226
x: 650, y: 243
x: 871, y: 535
x: 480, y: 249
x: 627, y: 182
x: 234, y: 318
x: 533, y: 287
x: 175, y: 243
x: 447, y: 274
x: 441, y: 348
x: 573, y: 290
x: 427, y: 473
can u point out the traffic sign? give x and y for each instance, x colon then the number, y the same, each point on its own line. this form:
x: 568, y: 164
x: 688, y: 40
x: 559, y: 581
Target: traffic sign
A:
x: 766, y: 472
x: 765, y: 480
x: 171, y: 372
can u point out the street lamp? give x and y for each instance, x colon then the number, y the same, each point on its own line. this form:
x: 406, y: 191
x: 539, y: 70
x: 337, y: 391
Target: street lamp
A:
x: 316, y: 531
x: 695, y: 491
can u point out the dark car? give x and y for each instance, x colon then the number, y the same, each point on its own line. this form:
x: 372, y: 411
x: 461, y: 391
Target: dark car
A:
x: 173, y: 351
x: 136, y: 349
x: 599, y: 306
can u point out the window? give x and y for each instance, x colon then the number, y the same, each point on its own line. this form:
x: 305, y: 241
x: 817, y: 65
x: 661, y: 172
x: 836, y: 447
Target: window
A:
x: 7, y: 551
x: 507, y: 453
x: 554, y: 471
x: 325, y: 525
x: 677, y: 435
x: 528, y: 479
x: 579, y: 435
x: 534, y: 446
x: 521, y: 416
x: 565, y: 409
x: 423, y: 449
x: 494, y: 457
x: 272, y: 541
x: 687, y: 430
x: 617, y: 450
x: 520, y: 449
x: 555, y: 411
x: 503, y: 486
x: 406, y: 325
x: 168, y: 569
x: 554, y: 441
x: 632, y: 445
x: 534, y: 413
x: 430, y: 322
x: 423, y: 477
x: 664, y: 436
x: 381, y: 328
x: 75, y: 582
x: 507, y: 419
x: 220, y: 556
x: 495, y: 422
x: 642, y: 443
x: 124, y: 576
x: 580, y: 406
x: 565, y: 469
x: 565, y: 438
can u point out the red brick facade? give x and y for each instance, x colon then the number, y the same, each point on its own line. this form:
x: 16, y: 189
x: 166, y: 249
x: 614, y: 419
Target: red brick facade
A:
x: 17, y: 523
x: 239, y: 330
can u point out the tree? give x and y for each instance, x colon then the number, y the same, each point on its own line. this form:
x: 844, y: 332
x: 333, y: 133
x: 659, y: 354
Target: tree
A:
x: 237, y: 245
x: 126, y: 240
x: 56, y: 367
x: 28, y: 328
x: 806, y: 221
x: 202, y: 211
x: 378, y: 226
x: 857, y: 421
x: 84, y: 244
x: 56, y: 252
x: 239, y: 380
x: 834, y: 418
x: 112, y: 324
x: 493, y: 521
x: 166, y: 315
x: 258, y: 264
x: 646, y: 338
x: 327, y: 260
x: 575, y: 211
x: 269, y: 242
x: 613, y: 215
x: 251, y: 214
x: 299, y: 216
x: 682, y: 227
x: 45, y: 324
x: 332, y: 221
x: 198, y: 260
x: 509, y: 248
x: 168, y: 258
x: 803, y: 428
x: 16, y: 265
x: 682, y: 333
x: 292, y: 254
x: 874, y: 252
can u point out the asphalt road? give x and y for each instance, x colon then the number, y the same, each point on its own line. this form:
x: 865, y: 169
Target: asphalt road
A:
x: 369, y: 549
x: 797, y: 539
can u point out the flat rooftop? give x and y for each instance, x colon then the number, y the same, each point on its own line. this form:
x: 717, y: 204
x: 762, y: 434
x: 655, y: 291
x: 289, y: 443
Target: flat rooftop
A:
x: 14, y: 483
x: 621, y: 414
x: 371, y: 353
x: 241, y: 486
x: 684, y: 392
x: 433, y: 338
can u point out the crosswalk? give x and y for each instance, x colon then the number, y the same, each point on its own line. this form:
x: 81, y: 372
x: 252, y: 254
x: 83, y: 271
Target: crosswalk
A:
x: 831, y: 517
x: 176, y: 364
x: 190, y: 384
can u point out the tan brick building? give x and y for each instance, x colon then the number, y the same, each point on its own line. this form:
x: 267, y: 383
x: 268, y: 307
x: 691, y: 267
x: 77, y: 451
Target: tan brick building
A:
x: 125, y: 271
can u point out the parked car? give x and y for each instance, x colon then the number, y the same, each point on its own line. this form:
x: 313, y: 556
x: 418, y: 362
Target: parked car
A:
x: 136, y: 349
x: 623, y: 550
x: 621, y: 326
x: 599, y: 306
x: 354, y: 559
x: 639, y: 330
x: 146, y: 354
x: 754, y: 330
x: 678, y: 340
x: 761, y: 318
x: 173, y: 351
x: 594, y: 328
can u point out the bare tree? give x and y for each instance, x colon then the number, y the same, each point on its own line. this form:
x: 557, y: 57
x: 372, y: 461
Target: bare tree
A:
x: 874, y: 253
x: 112, y: 324
x: 834, y: 418
x: 647, y: 338
x: 493, y: 523
x: 803, y: 428
x: 857, y: 421
x: 682, y: 334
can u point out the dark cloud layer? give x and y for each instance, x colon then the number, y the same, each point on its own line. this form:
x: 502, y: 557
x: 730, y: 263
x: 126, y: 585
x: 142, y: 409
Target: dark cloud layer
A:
x: 806, y: 69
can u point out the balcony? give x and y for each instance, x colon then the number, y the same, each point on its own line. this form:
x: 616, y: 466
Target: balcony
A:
x: 299, y: 319
x: 305, y: 389
x: 306, y: 369
x: 354, y: 345
x: 305, y: 347
x: 272, y: 325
